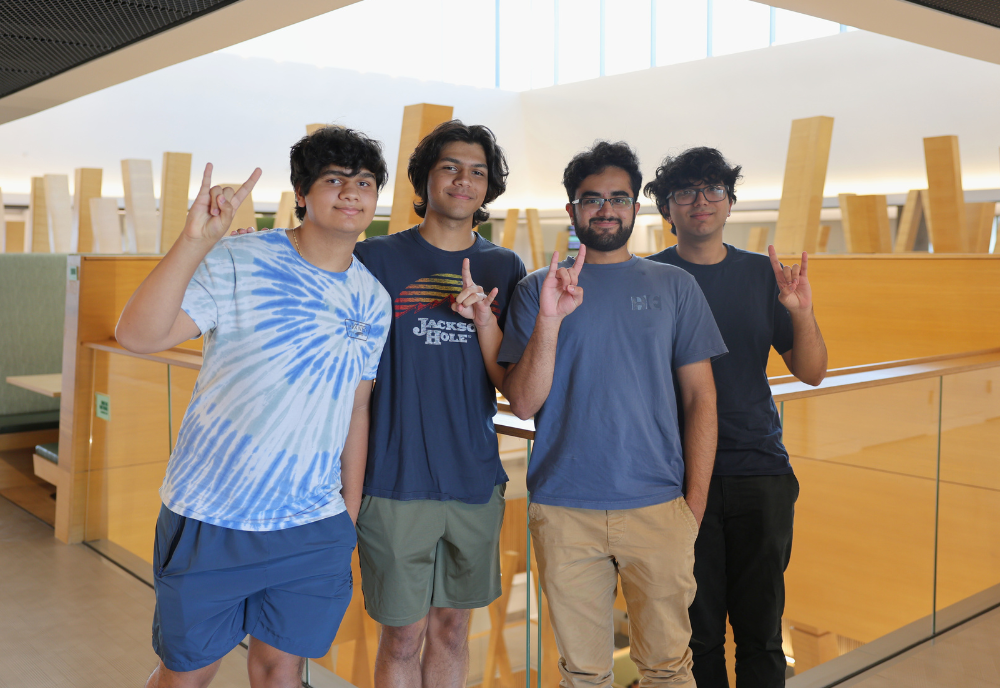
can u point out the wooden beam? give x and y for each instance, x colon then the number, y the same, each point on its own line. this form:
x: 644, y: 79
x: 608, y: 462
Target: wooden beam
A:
x: 535, y: 235
x: 802, y: 190
x: 59, y: 213
x: 979, y: 224
x: 38, y: 219
x: 15, y: 237
x: 510, y: 228
x: 945, y: 195
x: 142, y: 228
x: 824, y: 239
x: 174, y: 183
x: 285, y: 216
x: 310, y: 128
x: 909, y: 221
x: 866, y: 229
x: 107, y: 226
x: 418, y: 121
x: 757, y: 241
x: 86, y: 185
x: 667, y: 237
x: 562, y: 244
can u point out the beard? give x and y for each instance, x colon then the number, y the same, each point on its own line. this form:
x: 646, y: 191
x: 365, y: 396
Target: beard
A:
x: 605, y: 241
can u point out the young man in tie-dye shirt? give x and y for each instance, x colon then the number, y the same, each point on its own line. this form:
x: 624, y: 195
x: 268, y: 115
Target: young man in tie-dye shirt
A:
x: 256, y: 531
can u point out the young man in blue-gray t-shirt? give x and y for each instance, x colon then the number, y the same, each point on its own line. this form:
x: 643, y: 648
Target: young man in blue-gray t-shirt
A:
x: 617, y: 491
x: 745, y: 540
x: 255, y: 535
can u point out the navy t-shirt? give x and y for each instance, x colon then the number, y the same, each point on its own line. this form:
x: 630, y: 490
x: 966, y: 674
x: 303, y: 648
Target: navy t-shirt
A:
x: 607, y: 435
x: 743, y: 294
x: 432, y: 434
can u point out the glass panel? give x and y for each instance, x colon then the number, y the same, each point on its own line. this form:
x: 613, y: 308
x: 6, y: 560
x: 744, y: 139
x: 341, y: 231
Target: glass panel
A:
x: 681, y: 31
x: 792, y: 26
x: 579, y: 40
x: 969, y: 513
x: 626, y: 36
x: 739, y: 25
x: 863, y: 553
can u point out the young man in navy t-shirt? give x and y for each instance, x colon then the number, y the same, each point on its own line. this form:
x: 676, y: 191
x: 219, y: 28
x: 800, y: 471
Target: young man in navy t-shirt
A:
x: 745, y: 540
x: 429, y: 524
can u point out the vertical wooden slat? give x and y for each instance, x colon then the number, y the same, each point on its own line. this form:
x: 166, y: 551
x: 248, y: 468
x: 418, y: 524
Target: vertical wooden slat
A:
x: 245, y: 216
x: 757, y: 241
x: 418, y: 121
x: 667, y: 238
x: 909, y: 221
x: 38, y: 220
x: 535, y: 235
x: 285, y: 216
x: 86, y: 185
x: 310, y: 128
x: 59, y: 213
x: 945, y: 196
x: 866, y: 229
x: 824, y: 239
x: 510, y: 228
x: 15, y: 237
x: 175, y: 180
x: 142, y: 228
x: 979, y: 223
x: 845, y: 222
x: 106, y: 224
x: 802, y: 190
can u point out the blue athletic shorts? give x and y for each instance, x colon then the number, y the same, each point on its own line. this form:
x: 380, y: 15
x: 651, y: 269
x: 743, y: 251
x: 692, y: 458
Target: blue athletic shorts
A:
x: 214, y: 586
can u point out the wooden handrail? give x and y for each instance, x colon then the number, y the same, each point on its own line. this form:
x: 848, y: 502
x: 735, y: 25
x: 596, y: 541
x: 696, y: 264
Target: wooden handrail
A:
x: 783, y: 388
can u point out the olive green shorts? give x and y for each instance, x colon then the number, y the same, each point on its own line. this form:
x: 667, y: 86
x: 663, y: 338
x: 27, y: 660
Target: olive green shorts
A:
x: 425, y: 553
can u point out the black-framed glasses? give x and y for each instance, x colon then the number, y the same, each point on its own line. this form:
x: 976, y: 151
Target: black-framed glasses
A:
x: 595, y: 204
x: 712, y: 194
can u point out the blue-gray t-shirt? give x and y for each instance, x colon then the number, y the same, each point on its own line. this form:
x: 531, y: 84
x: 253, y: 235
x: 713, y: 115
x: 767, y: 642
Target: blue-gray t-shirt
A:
x: 607, y: 436
x: 432, y: 434
x: 743, y: 295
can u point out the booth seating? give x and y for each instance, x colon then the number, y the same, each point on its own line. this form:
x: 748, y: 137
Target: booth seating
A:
x: 32, y: 309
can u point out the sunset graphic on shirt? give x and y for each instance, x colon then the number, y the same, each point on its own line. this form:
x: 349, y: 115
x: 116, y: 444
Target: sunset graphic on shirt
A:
x: 431, y: 292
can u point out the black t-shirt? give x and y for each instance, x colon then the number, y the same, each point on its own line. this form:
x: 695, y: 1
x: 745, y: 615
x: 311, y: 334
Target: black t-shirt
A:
x: 743, y: 295
x: 432, y: 434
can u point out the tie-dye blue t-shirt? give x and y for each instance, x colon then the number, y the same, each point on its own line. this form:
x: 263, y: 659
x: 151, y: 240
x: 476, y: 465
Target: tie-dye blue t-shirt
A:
x: 286, y: 345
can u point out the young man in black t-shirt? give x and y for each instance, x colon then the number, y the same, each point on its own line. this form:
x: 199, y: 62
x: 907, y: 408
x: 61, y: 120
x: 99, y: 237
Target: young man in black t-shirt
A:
x: 745, y: 540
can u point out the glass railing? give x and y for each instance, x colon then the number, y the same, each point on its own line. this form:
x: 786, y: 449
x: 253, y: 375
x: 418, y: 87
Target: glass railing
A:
x: 899, y: 502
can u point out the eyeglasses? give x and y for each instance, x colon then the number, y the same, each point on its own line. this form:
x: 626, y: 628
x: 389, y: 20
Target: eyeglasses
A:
x: 595, y: 204
x: 689, y: 196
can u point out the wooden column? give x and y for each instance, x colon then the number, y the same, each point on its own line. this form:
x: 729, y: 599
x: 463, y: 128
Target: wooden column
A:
x: 418, y: 121
x: 174, y: 183
x: 245, y: 216
x: 510, y: 228
x: 668, y: 238
x: 142, y: 228
x: 15, y: 237
x: 812, y: 647
x: 802, y: 191
x: 945, y: 195
x: 979, y: 224
x: 865, y: 220
x: 535, y: 235
x: 38, y: 219
x: 909, y: 221
x: 757, y: 241
x: 59, y: 213
x: 310, y: 128
x: 86, y: 185
x: 106, y: 224
x: 285, y: 216
x: 824, y: 239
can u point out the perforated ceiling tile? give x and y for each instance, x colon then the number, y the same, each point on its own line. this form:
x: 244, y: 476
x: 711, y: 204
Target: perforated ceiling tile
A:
x: 982, y: 11
x: 41, y: 38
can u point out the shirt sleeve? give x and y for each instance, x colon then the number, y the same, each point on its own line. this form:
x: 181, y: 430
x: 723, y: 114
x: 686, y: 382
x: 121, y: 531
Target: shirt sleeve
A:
x: 782, y: 337
x: 696, y: 336
x: 520, y: 324
x: 212, y: 289
x: 519, y: 272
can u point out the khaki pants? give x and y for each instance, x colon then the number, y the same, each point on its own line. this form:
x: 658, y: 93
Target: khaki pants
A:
x: 582, y: 552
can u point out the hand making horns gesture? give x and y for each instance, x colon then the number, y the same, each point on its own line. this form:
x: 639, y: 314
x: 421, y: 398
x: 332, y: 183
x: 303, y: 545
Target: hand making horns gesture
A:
x: 214, y: 207
x: 795, y: 294
x: 471, y: 302
x: 560, y: 294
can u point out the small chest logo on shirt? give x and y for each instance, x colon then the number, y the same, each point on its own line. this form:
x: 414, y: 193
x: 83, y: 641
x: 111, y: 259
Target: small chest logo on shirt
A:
x: 437, y: 332
x: 645, y: 303
x: 357, y: 329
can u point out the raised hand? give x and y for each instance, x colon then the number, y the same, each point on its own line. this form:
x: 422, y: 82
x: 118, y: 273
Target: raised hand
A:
x: 560, y: 294
x: 472, y: 303
x: 794, y: 291
x: 214, y: 207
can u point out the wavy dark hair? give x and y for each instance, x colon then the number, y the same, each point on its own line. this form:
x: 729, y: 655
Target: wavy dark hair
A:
x: 596, y: 159
x: 428, y: 151
x: 347, y: 148
x: 693, y: 166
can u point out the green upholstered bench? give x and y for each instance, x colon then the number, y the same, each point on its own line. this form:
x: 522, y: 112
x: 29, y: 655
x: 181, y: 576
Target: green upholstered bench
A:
x: 29, y: 422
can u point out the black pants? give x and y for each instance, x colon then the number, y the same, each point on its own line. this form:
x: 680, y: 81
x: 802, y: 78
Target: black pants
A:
x: 741, y: 554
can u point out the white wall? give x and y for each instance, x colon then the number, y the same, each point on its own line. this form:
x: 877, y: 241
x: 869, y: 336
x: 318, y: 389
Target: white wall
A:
x: 885, y: 94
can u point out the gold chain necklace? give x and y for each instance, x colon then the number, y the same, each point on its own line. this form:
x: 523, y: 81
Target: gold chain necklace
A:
x: 295, y: 239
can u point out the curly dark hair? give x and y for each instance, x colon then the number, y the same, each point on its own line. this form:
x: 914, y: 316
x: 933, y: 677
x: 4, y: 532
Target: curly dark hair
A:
x: 598, y: 158
x: 693, y: 166
x: 428, y: 151
x: 347, y: 148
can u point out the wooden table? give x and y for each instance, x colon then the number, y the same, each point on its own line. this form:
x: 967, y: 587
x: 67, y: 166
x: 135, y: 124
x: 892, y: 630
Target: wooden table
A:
x: 49, y: 385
